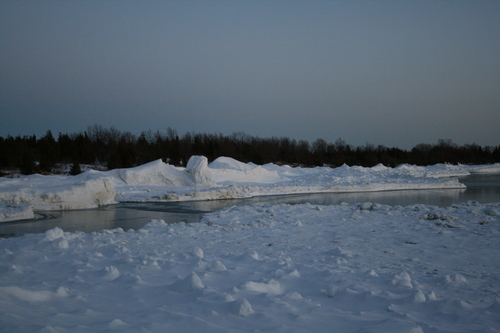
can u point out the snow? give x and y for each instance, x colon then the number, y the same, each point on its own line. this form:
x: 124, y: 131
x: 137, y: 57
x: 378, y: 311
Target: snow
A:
x: 224, y: 178
x: 365, y: 267
x: 154, y: 173
x: 495, y: 168
x: 13, y: 212
x: 36, y: 192
x: 283, y: 268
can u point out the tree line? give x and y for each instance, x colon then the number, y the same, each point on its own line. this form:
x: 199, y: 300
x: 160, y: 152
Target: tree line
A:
x: 116, y: 149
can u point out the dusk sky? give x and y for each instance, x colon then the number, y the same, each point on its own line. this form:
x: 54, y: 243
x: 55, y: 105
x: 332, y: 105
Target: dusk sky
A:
x: 395, y: 73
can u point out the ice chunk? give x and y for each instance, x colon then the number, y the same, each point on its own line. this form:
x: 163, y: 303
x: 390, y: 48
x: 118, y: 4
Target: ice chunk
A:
x: 242, y: 308
x: 54, y: 233
x: 198, y: 252
x: 61, y: 243
x: 402, y: 279
x: 419, y: 297
x: 191, y: 282
x: 217, y: 266
x: 272, y: 287
x: 111, y: 273
x: 458, y: 278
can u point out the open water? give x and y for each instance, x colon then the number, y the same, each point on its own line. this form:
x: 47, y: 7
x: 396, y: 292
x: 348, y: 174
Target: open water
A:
x: 482, y: 188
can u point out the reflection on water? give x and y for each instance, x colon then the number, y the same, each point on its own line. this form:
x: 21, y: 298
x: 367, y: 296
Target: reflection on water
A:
x: 481, y: 188
x: 125, y: 216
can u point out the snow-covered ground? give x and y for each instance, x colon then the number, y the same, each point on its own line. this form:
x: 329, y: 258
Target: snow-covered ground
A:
x: 284, y: 268
x: 223, y: 178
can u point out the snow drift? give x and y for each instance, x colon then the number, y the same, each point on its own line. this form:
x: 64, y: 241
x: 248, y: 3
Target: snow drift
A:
x: 154, y: 173
x: 36, y: 192
x: 224, y: 178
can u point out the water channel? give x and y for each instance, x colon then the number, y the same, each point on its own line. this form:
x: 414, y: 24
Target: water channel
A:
x: 484, y: 188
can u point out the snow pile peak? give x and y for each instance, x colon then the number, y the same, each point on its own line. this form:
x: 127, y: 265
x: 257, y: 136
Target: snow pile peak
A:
x: 191, y: 282
x: 197, y: 170
x: 230, y: 164
x: 242, y: 308
x: 54, y: 234
x: 155, y: 173
x: 226, y: 170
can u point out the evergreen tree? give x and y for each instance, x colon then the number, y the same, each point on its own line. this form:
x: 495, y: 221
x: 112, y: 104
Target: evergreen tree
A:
x: 28, y: 166
x: 75, y: 169
x: 49, y: 153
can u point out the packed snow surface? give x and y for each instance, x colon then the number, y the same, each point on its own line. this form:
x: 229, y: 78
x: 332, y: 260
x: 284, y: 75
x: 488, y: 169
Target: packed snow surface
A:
x: 283, y: 268
x: 222, y: 179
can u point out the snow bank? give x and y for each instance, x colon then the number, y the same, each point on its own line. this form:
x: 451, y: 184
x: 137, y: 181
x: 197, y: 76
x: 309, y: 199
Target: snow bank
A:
x: 154, y: 173
x: 15, y: 212
x: 284, y: 268
x: 433, y: 171
x: 492, y: 168
x: 227, y: 178
x: 230, y: 164
x: 57, y: 192
x: 224, y: 178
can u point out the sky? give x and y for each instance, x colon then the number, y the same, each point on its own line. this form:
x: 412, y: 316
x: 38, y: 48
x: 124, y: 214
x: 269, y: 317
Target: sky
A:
x: 393, y: 73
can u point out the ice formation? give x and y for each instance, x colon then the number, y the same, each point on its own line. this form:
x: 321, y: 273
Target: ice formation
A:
x: 222, y: 179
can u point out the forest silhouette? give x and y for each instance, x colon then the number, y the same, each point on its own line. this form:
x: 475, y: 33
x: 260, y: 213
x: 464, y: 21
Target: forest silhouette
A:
x: 111, y: 148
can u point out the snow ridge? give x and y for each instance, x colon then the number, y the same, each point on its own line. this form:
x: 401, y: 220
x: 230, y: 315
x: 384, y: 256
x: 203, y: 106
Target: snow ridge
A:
x: 222, y: 179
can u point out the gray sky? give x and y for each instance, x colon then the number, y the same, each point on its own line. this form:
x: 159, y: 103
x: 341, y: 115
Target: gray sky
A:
x: 395, y: 73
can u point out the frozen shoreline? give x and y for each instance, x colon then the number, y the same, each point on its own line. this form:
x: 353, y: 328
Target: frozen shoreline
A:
x: 224, y: 178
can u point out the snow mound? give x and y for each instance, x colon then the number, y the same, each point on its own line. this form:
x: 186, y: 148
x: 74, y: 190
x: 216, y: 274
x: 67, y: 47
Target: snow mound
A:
x: 379, y: 167
x: 244, y: 174
x: 190, y: 283
x: 110, y: 273
x: 242, y: 308
x: 54, y: 234
x: 154, y: 173
x: 402, y: 279
x: 198, y: 252
x: 197, y: 170
x: 217, y: 266
x: 231, y: 164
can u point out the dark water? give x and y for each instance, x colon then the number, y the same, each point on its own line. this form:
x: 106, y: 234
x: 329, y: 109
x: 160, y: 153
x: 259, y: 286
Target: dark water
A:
x: 481, y: 188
